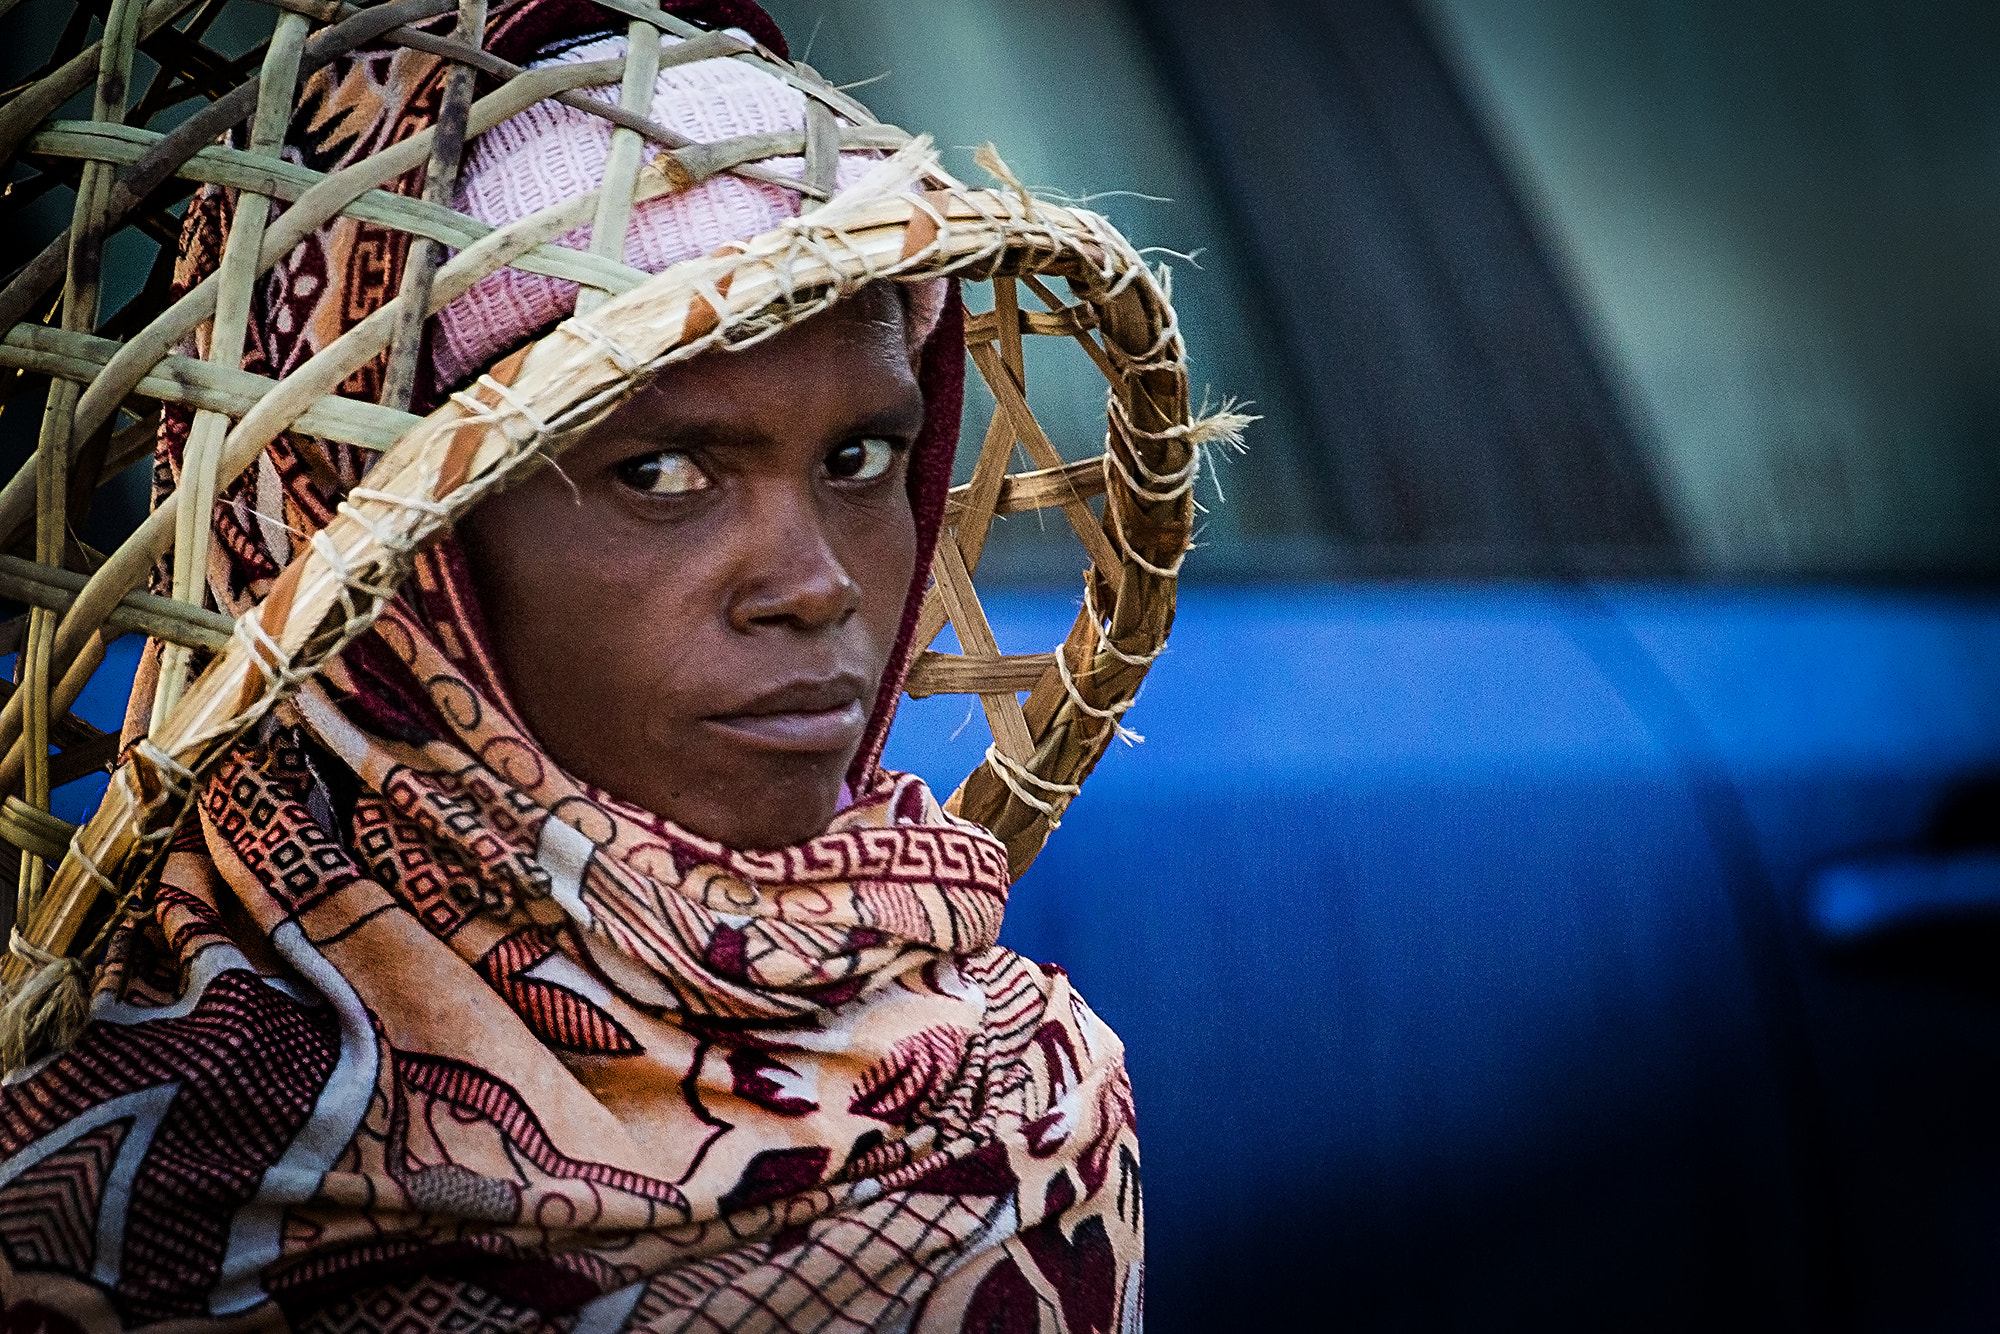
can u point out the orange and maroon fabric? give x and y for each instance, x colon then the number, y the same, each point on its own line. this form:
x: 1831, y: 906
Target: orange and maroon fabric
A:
x: 418, y: 1033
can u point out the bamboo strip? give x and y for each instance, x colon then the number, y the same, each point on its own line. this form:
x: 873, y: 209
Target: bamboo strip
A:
x: 810, y: 84
x: 714, y: 44
x: 1063, y: 321
x: 68, y: 731
x: 1013, y: 400
x: 323, y: 11
x: 1006, y: 315
x: 975, y: 635
x: 81, y: 668
x: 41, y: 273
x: 955, y: 674
x: 93, y: 756
x: 822, y: 144
x: 1074, y: 317
x: 621, y: 168
x: 1107, y: 662
x: 235, y: 285
x: 322, y: 375
x: 1042, y: 489
x: 37, y: 661
x: 930, y: 619
x: 359, y: 344
x: 80, y: 309
x: 137, y: 181
x: 339, y: 189
x: 313, y: 210
x: 974, y: 518
x: 562, y: 384
x: 135, y: 149
x: 187, y: 68
x: 982, y: 491
x: 137, y: 613
x: 129, y: 444
x: 41, y: 99
x: 421, y: 260
x: 276, y: 412
x: 237, y: 170
x: 81, y: 358
x: 34, y: 831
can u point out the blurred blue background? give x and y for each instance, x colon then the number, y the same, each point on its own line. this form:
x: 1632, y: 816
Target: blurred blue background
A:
x: 1558, y: 890
x: 1460, y: 939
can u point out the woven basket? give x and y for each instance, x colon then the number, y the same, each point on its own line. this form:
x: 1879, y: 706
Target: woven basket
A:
x: 1054, y: 271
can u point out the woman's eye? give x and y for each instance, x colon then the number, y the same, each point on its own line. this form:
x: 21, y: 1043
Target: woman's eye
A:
x: 861, y: 460
x: 668, y: 473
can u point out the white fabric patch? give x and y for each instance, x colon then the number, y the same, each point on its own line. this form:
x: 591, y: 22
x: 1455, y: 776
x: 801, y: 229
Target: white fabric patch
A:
x: 561, y: 971
x: 564, y: 853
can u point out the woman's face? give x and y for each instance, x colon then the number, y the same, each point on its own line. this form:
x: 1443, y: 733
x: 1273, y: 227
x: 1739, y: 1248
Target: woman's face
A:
x: 693, y: 609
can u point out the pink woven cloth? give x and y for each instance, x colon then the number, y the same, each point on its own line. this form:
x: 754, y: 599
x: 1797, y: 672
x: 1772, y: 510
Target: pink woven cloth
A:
x: 551, y: 153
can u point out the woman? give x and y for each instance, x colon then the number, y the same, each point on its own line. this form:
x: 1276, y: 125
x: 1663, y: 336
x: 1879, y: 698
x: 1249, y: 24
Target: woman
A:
x: 561, y: 958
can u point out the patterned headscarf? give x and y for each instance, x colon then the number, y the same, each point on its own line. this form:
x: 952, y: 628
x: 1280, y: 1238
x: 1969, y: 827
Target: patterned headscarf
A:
x: 420, y: 1033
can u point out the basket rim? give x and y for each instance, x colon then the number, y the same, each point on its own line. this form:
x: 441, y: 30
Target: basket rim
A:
x: 1053, y: 715
x: 540, y: 397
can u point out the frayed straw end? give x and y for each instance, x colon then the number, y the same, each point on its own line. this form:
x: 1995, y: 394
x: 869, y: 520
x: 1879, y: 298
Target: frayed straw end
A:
x: 896, y: 174
x: 987, y: 158
x: 44, y: 1013
x: 1224, y: 427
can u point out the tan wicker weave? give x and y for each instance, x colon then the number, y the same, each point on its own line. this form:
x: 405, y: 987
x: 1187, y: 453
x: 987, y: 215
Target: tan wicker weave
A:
x: 908, y: 220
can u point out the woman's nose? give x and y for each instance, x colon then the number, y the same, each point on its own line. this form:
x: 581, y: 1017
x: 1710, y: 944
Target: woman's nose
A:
x: 788, y: 572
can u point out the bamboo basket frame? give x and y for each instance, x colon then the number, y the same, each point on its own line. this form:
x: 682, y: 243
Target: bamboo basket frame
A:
x: 909, y: 220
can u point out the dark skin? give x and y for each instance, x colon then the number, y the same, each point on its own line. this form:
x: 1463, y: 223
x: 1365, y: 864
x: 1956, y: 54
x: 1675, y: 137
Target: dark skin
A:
x: 694, y: 609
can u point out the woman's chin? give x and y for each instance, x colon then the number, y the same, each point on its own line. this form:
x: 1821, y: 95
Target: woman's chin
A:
x: 779, y: 816
x: 768, y: 836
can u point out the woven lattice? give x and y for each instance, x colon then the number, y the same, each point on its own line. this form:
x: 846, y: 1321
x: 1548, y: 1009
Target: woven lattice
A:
x: 1054, y: 272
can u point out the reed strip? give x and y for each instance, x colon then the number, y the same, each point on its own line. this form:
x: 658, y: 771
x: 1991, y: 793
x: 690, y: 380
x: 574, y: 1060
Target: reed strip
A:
x: 1013, y: 401
x: 621, y: 167
x: 48, y: 586
x: 81, y: 358
x: 34, y: 831
x: 1045, y: 488
x: 201, y: 460
x: 80, y: 309
x: 237, y: 170
x: 956, y: 674
x: 420, y: 261
x: 137, y: 183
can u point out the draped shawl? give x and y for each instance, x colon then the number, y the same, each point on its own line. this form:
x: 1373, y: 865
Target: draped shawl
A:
x: 419, y: 1033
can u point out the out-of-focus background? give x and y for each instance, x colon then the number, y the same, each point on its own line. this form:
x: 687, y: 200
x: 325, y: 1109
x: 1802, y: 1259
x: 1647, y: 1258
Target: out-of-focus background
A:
x: 1561, y: 885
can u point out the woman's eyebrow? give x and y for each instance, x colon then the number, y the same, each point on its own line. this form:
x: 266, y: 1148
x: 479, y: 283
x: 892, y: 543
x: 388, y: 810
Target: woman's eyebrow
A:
x: 707, y: 432
x: 898, y: 415
x: 903, y: 419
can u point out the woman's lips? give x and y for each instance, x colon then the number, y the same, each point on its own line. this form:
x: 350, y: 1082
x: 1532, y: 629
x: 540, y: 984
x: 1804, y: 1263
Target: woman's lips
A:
x: 799, y: 728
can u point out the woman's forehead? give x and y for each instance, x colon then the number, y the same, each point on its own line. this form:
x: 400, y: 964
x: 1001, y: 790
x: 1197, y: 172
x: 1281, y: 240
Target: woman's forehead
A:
x: 846, y: 367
